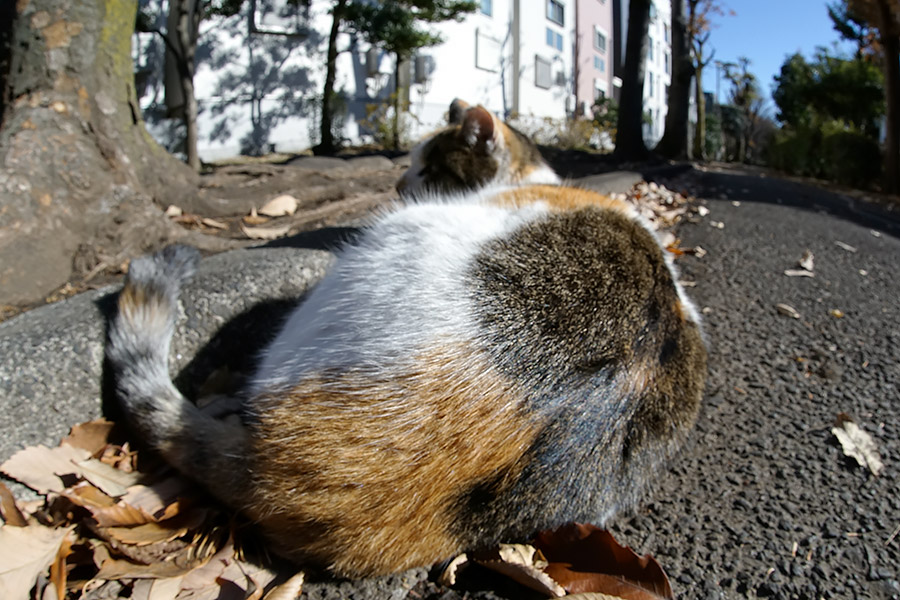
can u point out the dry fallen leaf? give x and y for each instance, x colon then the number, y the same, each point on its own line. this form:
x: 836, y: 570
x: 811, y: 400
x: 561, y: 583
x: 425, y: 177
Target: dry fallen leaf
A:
x: 214, y: 223
x: 523, y: 564
x: 799, y: 273
x: 173, y: 211
x: 279, y: 206
x: 39, y: 467
x: 25, y: 553
x: 807, y: 260
x: 585, y: 558
x: 112, y: 481
x: 857, y: 444
x: 787, y: 310
x: 265, y: 233
x: 289, y: 590
x: 92, y: 436
x: 8, y: 509
x: 836, y: 313
x: 844, y: 246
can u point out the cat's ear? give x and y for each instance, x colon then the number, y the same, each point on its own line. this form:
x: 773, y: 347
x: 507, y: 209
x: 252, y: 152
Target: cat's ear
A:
x: 478, y: 128
x: 458, y: 110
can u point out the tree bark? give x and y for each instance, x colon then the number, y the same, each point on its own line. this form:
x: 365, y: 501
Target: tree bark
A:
x: 75, y: 158
x: 326, y: 139
x: 674, y: 143
x: 629, y: 135
x: 188, y: 32
x: 890, y: 42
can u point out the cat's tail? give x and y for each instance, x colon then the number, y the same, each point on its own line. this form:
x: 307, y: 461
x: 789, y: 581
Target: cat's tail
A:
x: 202, y: 447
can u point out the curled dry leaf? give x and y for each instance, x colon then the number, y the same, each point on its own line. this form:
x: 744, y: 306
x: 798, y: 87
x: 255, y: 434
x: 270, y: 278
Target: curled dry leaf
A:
x: 787, y: 310
x: 265, y: 233
x: 585, y: 558
x: 173, y: 211
x: 289, y: 590
x: 448, y: 575
x: 799, y: 273
x: 523, y: 564
x: 836, y: 313
x: 857, y: 444
x: 279, y: 206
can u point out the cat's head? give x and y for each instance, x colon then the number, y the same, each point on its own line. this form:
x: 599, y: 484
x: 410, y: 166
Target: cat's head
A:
x: 475, y: 150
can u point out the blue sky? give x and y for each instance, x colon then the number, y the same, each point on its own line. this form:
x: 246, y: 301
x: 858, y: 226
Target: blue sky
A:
x: 766, y: 31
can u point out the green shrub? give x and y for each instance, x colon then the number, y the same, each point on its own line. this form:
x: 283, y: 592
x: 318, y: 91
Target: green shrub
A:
x: 833, y: 151
x: 851, y: 158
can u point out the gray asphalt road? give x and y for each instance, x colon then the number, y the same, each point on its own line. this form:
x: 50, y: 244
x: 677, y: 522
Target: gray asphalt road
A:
x: 764, y: 503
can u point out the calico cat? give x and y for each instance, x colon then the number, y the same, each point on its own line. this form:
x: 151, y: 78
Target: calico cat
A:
x: 474, y: 368
x: 475, y: 150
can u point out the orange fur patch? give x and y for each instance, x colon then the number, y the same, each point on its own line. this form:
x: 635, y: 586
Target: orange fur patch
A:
x: 360, y: 472
x: 559, y: 198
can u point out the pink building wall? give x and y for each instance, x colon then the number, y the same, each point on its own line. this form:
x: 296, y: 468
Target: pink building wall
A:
x: 594, y: 64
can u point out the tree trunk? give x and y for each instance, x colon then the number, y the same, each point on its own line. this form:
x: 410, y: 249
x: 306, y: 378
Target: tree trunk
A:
x: 75, y: 158
x: 890, y: 41
x: 675, y: 138
x: 326, y: 139
x: 188, y: 32
x: 629, y: 135
x: 395, y: 122
x: 700, y: 131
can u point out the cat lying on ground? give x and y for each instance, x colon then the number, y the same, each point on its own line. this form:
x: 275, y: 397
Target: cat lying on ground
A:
x: 474, y: 368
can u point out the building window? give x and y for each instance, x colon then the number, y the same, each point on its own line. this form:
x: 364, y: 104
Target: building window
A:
x: 599, y: 40
x: 554, y: 39
x: 599, y: 63
x: 542, y: 75
x: 650, y: 49
x: 666, y: 34
x: 651, y: 84
x: 668, y: 63
x: 556, y: 12
x: 487, y: 7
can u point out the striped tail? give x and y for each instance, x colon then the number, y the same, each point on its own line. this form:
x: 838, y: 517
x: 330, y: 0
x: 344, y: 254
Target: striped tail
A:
x: 202, y: 447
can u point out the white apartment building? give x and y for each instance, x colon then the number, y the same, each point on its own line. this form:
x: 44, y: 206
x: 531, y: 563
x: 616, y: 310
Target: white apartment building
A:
x: 259, y: 74
x: 658, y: 75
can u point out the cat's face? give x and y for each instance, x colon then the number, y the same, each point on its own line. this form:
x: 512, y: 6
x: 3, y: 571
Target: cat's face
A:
x: 475, y: 150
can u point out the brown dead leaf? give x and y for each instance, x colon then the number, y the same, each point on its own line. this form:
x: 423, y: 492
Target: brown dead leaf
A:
x: 265, y: 233
x: 159, y: 532
x: 58, y: 572
x: 92, y: 436
x: 159, y: 498
x: 39, y: 467
x: 26, y: 553
x: 9, y: 510
x: 585, y: 558
x: 523, y: 564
